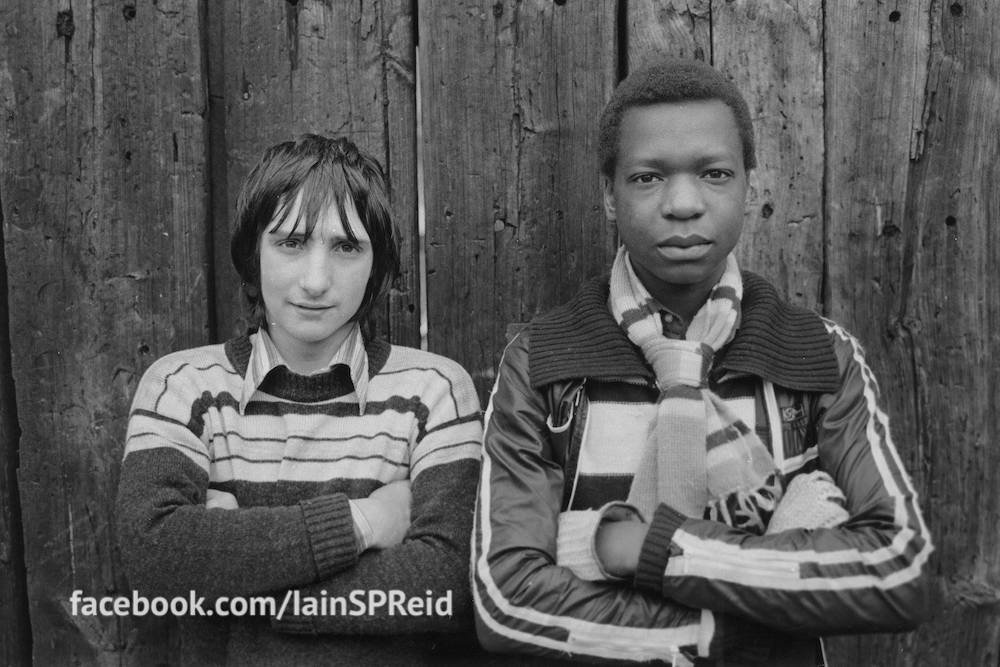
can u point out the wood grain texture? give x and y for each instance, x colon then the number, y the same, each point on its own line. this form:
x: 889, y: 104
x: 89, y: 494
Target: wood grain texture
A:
x: 104, y: 229
x: 511, y: 94
x: 15, y: 641
x: 773, y: 52
x: 280, y: 69
x: 679, y: 28
x: 876, y: 199
x: 913, y: 258
x: 774, y: 55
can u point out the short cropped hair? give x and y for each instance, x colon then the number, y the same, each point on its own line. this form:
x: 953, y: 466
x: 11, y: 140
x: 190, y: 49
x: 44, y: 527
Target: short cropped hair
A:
x: 665, y: 81
x: 327, y: 171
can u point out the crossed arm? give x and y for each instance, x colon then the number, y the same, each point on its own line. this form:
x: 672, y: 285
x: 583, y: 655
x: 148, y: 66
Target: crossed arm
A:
x: 698, y: 583
x: 172, y: 543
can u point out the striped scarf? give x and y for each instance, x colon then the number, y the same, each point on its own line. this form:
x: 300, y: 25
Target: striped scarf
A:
x: 700, y: 458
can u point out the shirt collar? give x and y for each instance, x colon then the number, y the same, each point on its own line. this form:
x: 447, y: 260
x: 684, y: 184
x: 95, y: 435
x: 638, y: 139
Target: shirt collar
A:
x: 674, y: 325
x: 265, y: 357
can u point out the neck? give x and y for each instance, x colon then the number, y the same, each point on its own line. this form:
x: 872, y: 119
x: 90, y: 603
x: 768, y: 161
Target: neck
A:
x: 307, y: 359
x: 684, y: 303
x: 683, y: 300
x: 310, y: 366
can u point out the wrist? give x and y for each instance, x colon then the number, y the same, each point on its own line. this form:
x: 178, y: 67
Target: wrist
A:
x: 655, y: 549
x: 363, y: 532
x: 330, y: 529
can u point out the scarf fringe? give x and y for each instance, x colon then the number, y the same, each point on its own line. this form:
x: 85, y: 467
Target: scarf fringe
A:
x: 748, y: 509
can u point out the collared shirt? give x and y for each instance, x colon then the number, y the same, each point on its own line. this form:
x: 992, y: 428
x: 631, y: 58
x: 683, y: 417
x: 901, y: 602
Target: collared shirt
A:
x: 265, y: 357
x: 674, y: 325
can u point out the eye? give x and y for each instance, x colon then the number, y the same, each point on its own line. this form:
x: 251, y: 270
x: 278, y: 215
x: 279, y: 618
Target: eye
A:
x: 645, y: 178
x: 289, y: 243
x: 718, y: 175
x: 347, y: 248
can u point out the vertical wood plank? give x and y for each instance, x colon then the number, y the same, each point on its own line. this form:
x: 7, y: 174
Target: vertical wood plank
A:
x: 105, y: 240
x: 774, y: 54
x: 657, y: 28
x: 888, y: 63
x: 912, y: 92
x: 511, y: 94
x: 876, y: 68
x: 15, y: 641
x: 342, y: 69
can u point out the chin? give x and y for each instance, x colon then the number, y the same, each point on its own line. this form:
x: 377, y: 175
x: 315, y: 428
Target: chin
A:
x: 317, y: 338
x: 685, y: 278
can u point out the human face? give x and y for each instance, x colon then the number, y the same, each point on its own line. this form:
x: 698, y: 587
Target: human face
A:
x: 313, y: 286
x: 678, y: 195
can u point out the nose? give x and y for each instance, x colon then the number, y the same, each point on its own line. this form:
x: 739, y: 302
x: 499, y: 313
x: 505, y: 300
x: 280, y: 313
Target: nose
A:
x: 317, y: 271
x: 682, y: 198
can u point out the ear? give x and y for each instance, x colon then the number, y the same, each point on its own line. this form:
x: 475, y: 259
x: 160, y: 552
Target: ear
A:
x: 608, y: 186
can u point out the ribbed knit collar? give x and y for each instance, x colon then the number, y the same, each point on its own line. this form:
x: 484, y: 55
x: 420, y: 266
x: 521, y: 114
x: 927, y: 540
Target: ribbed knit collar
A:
x: 776, y: 341
x: 283, y: 383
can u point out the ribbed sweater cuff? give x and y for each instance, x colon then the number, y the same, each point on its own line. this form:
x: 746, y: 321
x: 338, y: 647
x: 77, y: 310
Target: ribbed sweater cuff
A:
x: 656, y: 548
x: 331, y: 533
x: 575, y: 544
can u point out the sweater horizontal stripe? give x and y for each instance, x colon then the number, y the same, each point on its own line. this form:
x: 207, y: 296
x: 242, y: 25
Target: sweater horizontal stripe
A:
x: 291, y: 459
x: 618, y: 419
x: 280, y: 439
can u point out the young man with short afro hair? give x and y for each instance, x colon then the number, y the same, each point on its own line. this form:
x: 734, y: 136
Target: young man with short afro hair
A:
x: 678, y: 464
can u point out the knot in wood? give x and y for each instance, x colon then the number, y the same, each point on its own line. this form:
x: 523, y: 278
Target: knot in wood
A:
x: 64, y: 24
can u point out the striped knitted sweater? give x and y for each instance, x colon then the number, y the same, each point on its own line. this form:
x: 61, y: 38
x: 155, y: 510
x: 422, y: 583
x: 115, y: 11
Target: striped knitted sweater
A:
x: 292, y: 457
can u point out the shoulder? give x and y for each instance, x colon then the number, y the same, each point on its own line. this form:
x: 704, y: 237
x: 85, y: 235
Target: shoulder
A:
x: 589, y: 302
x: 518, y: 347
x: 780, y: 342
x: 581, y: 339
x: 514, y: 362
x: 846, y: 346
x: 402, y: 358
x: 206, y: 361
x: 761, y: 297
x: 184, y: 376
x: 408, y: 370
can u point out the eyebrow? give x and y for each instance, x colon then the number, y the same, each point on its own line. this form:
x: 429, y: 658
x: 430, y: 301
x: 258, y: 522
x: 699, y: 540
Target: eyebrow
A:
x: 696, y: 161
x: 713, y: 155
x: 301, y: 236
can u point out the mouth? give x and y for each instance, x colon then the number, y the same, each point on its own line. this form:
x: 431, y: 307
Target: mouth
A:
x: 311, y: 307
x: 691, y: 248
x: 684, y: 241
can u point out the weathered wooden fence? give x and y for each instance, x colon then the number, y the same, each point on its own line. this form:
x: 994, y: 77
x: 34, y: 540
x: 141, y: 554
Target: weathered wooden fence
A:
x: 126, y: 128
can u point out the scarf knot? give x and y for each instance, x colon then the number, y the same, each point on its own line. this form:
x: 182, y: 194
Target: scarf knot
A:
x: 678, y: 362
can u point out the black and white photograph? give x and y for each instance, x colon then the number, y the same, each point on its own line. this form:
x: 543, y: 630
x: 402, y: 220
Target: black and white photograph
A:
x: 500, y: 333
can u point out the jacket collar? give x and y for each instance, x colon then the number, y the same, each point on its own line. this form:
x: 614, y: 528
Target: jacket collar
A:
x: 779, y: 342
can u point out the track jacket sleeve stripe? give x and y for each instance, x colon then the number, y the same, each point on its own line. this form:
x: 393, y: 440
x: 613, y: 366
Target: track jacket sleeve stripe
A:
x: 828, y: 579
x: 523, y: 601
